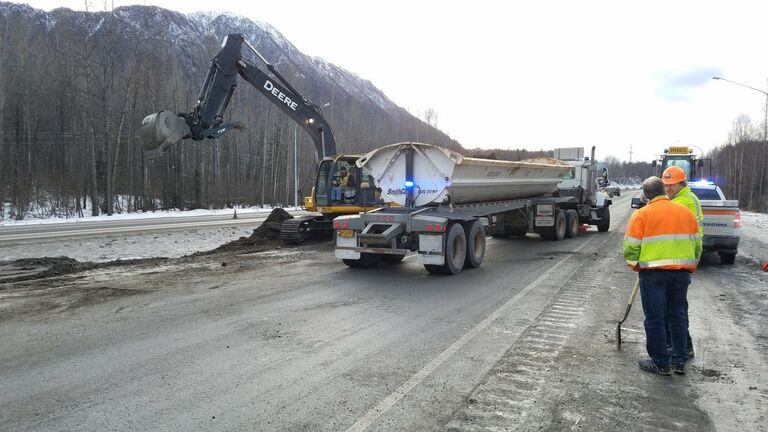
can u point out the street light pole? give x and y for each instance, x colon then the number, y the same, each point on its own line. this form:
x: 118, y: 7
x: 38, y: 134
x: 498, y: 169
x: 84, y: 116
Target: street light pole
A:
x: 765, y: 133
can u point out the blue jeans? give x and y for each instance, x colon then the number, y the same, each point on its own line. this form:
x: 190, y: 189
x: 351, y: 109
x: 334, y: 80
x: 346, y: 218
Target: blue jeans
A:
x: 337, y: 193
x: 663, y: 294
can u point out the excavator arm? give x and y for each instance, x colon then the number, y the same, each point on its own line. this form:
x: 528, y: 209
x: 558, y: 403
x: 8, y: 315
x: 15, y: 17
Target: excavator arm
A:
x: 206, y: 121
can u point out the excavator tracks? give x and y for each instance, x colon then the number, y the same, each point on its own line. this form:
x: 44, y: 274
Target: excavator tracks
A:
x: 297, y: 231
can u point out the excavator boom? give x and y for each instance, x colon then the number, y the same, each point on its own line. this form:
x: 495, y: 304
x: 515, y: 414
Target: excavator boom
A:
x: 206, y: 121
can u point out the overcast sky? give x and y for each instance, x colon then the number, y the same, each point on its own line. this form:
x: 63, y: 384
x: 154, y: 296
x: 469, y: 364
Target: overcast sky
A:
x: 538, y: 74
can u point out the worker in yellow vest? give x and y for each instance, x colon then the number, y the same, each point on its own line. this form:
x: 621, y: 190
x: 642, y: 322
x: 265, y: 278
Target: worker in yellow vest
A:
x: 676, y: 188
x: 662, y: 244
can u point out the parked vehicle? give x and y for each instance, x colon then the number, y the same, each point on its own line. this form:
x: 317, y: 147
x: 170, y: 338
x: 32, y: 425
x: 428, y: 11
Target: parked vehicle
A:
x: 722, y: 220
x: 447, y: 202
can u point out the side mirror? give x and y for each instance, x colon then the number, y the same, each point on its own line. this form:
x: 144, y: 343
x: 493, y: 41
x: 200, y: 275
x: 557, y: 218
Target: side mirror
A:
x: 700, y: 163
x: 653, y: 163
x: 637, y: 203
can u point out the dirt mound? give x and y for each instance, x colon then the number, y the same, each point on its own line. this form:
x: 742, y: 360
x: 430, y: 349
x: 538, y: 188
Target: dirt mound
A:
x: 266, y: 236
x: 45, y: 267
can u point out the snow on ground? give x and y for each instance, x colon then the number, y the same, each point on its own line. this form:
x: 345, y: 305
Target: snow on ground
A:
x: 754, y: 236
x: 142, y: 215
x: 173, y: 244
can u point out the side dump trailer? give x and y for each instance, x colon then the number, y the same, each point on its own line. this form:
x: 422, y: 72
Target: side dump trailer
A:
x: 446, y: 203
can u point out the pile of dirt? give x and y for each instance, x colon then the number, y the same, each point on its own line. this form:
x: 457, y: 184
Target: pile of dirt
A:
x: 39, y: 268
x: 266, y: 236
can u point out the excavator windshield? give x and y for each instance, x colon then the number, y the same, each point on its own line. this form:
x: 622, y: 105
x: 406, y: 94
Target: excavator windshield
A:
x: 340, y: 182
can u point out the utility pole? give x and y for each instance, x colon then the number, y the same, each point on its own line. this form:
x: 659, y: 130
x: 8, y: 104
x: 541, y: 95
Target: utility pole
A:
x: 630, y: 153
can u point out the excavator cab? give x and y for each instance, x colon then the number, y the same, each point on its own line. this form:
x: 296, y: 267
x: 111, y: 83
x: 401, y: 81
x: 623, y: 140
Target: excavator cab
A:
x: 341, y: 184
x: 341, y: 188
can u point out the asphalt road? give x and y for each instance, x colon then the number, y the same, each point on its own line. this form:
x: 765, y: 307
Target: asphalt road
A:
x: 16, y: 234
x: 294, y: 340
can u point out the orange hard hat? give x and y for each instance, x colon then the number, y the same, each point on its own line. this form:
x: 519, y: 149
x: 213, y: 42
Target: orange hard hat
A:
x: 673, y: 175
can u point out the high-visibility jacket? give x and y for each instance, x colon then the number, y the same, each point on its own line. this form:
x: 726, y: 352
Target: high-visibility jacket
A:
x: 662, y: 235
x: 687, y: 198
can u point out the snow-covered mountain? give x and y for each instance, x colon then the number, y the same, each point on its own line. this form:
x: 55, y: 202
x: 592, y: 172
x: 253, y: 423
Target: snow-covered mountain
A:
x: 192, y: 37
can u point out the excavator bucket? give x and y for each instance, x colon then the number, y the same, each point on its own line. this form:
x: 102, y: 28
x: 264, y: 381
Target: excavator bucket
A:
x: 163, y: 129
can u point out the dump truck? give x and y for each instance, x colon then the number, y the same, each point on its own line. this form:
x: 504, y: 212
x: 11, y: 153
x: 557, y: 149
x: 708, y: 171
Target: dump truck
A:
x: 444, y: 203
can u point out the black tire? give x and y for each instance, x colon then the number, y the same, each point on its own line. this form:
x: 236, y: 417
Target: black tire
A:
x: 367, y: 260
x: 455, y: 252
x: 517, y: 231
x: 571, y: 223
x: 511, y: 232
x: 605, y: 219
x: 475, y: 233
x: 727, y: 258
x: 556, y: 232
x: 352, y: 263
x: 434, y: 269
x: 393, y: 259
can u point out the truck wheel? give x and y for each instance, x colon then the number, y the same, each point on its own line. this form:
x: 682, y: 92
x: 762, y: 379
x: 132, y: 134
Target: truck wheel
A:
x: 727, y: 257
x: 352, y: 263
x: 556, y: 232
x: 517, y: 231
x: 605, y: 219
x: 367, y: 260
x: 510, y: 232
x: 434, y: 269
x: 475, y: 243
x: 394, y: 259
x: 571, y: 223
x: 455, y: 252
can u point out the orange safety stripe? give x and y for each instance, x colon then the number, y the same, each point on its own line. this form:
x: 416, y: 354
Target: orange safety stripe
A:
x: 720, y: 212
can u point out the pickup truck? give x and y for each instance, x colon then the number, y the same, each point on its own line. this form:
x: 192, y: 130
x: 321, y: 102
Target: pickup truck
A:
x: 722, y: 220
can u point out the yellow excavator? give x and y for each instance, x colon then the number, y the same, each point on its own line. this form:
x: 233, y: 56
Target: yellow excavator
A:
x: 340, y: 186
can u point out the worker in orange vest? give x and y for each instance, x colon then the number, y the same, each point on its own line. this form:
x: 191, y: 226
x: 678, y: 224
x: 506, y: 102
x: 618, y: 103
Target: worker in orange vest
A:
x: 765, y: 267
x: 662, y: 244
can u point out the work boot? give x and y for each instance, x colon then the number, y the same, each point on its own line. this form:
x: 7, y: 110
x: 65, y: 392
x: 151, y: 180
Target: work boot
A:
x: 678, y: 368
x: 650, y: 366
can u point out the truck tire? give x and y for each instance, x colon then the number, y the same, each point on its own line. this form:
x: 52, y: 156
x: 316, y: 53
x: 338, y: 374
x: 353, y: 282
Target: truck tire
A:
x: 367, y: 260
x: 557, y: 231
x: 455, y: 252
x: 727, y: 258
x: 475, y: 243
x: 511, y: 231
x: 571, y: 223
x: 605, y: 219
x: 393, y: 259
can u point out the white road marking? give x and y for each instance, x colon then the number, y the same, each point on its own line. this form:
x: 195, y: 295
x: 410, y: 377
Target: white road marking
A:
x: 382, y: 407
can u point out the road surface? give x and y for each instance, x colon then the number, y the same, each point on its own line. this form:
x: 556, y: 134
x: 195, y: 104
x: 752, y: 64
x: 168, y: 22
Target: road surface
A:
x: 294, y: 340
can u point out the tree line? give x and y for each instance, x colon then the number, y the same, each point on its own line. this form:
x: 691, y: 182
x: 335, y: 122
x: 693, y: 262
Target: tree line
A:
x: 72, y: 97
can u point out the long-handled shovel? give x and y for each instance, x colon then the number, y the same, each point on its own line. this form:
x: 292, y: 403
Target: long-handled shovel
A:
x: 626, y: 314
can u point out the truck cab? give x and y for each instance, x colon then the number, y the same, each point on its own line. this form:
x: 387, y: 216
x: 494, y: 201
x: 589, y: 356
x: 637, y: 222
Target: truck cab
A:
x: 586, y: 179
